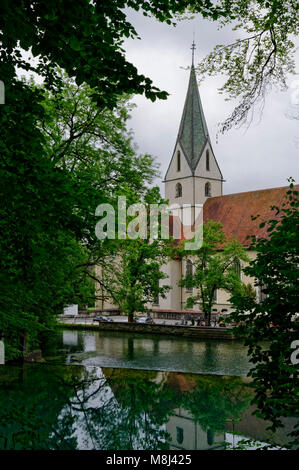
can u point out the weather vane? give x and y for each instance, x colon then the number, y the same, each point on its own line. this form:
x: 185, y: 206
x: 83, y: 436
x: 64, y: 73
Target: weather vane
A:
x: 193, y: 47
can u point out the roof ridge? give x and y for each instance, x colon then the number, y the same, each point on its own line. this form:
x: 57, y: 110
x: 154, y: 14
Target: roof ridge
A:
x: 252, y: 191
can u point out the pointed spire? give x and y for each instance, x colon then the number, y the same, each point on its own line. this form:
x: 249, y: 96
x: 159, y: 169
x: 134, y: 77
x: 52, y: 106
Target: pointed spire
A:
x: 193, y: 131
x: 193, y: 47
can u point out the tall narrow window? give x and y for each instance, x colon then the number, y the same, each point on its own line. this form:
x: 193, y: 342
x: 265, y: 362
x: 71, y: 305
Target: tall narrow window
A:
x: 179, y: 161
x: 156, y: 296
x: 210, y: 436
x: 189, y: 273
x: 208, y: 189
x: 261, y: 291
x: 179, y: 435
x: 178, y: 190
x: 207, y: 160
x: 237, y: 268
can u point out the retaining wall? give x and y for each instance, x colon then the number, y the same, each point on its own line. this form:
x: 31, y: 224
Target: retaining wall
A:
x: 201, y: 332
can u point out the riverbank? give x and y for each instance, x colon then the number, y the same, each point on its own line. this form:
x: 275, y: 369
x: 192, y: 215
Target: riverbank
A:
x: 182, y: 331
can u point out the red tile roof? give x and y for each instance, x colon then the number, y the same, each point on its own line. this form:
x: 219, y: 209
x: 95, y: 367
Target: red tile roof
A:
x: 234, y: 211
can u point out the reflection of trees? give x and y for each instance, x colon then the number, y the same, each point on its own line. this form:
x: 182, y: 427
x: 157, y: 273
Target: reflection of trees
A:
x: 59, y: 407
x: 145, y: 404
x: 215, y: 400
x: 31, y: 398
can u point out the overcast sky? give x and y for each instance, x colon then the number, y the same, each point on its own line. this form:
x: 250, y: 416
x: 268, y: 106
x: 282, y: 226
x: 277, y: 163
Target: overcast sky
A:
x: 263, y: 156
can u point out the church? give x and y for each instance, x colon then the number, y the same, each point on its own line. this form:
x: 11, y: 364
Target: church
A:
x: 194, y: 177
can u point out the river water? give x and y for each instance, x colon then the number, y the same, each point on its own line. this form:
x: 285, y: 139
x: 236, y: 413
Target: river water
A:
x: 154, y: 352
x: 111, y: 391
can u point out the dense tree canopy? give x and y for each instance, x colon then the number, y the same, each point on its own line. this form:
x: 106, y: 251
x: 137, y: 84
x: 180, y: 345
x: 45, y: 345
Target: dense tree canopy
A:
x: 87, y: 41
x: 68, y: 157
x: 213, y: 267
x: 274, y: 318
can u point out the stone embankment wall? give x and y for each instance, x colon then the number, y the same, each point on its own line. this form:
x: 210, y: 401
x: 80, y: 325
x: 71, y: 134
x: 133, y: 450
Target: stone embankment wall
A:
x: 199, y: 332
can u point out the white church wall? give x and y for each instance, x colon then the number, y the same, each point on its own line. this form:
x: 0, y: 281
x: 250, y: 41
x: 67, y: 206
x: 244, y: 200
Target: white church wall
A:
x: 201, y: 169
x: 216, y: 189
x: 187, y: 191
x: 172, y: 172
x: 173, y: 299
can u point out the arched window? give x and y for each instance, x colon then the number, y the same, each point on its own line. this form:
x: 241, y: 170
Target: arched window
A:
x: 189, y: 273
x: 207, y: 160
x: 208, y: 189
x: 179, y: 161
x: 178, y: 190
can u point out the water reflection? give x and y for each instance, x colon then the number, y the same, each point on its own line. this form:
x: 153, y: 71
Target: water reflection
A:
x: 76, y: 407
x: 107, y: 349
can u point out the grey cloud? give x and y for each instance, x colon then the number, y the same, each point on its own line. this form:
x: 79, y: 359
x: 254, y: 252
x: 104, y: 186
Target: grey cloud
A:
x: 263, y: 156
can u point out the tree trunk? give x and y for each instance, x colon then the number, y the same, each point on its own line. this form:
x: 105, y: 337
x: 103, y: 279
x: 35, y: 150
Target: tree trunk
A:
x: 131, y: 317
x: 208, y: 318
x: 25, y: 342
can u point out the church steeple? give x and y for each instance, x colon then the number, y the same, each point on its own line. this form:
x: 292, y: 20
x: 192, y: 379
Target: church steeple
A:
x: 193, y: 131
x: 193, y: 173
x: 193, y: 47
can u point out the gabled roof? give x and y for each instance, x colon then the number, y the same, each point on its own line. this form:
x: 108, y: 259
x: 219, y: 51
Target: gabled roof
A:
x: 193, y: 132
x: 234, y: 211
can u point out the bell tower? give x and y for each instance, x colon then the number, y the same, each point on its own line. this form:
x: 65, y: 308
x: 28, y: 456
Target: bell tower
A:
x: 193, y: 173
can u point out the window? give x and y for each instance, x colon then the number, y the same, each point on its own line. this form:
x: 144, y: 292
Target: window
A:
x: 207, y: 160
x: 179, y: 161
x: 208, y: 189
x: 189, y: 272
x: 237, y: 268
x: 215, y: 295
x: 178, y: 190
x: 179, y: 435
x: 156, y: 297
x: 210, y: 436
x: 261, y: 291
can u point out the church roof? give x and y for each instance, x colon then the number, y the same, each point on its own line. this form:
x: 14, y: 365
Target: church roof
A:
x: 234, y: 211
x: 193, y: 132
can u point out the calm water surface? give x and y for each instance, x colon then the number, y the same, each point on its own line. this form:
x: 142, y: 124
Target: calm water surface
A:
x: 114, y: 391
x: 137, y: 351
x: 85, y: 407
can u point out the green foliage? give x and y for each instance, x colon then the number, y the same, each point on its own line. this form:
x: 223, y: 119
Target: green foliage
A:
x: 129, y: 271
x: 85, y: 41
x: 68, y: 158
x: 249, y: 291
x: 214, y: 267
x: 255, y: 63
x: 65, y: 408
x: 275, y: 269
x: 38, y: 225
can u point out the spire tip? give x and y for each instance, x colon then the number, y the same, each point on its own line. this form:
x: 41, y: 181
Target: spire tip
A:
x: 193, y: 47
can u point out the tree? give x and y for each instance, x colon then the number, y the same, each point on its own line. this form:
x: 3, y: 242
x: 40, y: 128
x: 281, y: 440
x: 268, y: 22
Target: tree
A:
x: 131, y: 276
x: 38, y: 226
x: 130, y: 269
x: 89, y: 45
x: 275, y: 376
x: 96, y: 148
x: 93, y: 144
x: 49, y: 194
x: 262, y: 58
x: 214, y: 267
x: 85, y: 41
